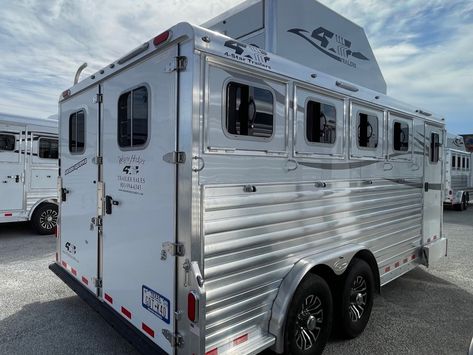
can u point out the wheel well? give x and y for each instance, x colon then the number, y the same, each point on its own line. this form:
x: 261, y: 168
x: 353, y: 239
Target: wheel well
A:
x: 333, y: 280
x: 43, y: 203
x: 328, y: 275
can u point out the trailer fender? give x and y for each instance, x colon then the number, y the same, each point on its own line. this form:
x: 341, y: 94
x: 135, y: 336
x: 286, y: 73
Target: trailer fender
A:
x: 39, y: 203
x: 337, y: 260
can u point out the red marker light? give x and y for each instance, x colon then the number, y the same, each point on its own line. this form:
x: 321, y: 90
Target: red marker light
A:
x: 193, y: 307
x: 162, y: 38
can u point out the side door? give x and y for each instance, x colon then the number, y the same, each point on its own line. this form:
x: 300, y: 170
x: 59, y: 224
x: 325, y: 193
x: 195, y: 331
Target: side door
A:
x: 79, y: 120
x: 433, y: 183
x: 12, y: 166
x: 139, y: 128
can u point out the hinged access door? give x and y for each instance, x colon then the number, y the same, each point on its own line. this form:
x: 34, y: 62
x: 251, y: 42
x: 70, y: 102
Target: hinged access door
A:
x: 433, y: 172
x: 12, y: 167
x: 140, y: 195
x: 79, y: 124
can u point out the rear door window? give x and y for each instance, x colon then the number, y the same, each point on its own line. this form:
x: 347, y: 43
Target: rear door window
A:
x: 133, y: 118
x: 77, y: 132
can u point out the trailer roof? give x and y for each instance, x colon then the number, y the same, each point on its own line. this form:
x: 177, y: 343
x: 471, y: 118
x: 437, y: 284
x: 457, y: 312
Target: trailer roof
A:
x: 24, y: 120
x: 214, y: 43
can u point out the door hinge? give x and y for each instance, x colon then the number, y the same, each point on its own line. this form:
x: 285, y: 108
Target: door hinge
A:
x: 173, y: 249
x: 176, y: 64
x: 97, y: 160
x: 98, y: 99
x: 175, y: 157
x: 97, y: 282
x: 175, y: 339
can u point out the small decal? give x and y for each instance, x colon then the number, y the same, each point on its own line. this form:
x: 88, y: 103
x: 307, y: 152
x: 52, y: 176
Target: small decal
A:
x: 130, y: 179
x: 331, y: 44
x: 76, y: 166
x: 156, y: 304
x: 248, y: 54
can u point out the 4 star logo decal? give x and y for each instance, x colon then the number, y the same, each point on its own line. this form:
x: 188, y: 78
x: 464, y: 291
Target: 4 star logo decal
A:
x: 331, y: 44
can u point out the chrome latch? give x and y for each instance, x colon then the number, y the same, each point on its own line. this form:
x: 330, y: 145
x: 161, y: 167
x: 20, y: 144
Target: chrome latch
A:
x: 177, y: 64
x: 97, y: 282
x: 173, y: 249
x: 175, y: 157
x: 176, y: 340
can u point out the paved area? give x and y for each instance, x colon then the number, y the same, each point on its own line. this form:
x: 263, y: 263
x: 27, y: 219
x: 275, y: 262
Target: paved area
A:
x: 423, y: 312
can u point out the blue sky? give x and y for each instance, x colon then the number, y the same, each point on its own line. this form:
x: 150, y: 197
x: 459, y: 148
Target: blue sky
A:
x: 424, y: 47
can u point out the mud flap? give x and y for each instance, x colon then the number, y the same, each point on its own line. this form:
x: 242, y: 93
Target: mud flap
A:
x: 435, y: 251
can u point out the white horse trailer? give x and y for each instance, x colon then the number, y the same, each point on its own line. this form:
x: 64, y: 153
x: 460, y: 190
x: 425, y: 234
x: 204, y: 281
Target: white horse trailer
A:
x: 228, y: 198
x: 458, y: 173
x: 28, y: 171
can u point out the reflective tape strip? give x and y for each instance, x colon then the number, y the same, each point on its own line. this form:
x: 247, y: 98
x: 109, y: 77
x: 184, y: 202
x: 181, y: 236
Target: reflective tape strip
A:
x: 148, y: 330
x: 8, y: 214
x: 240, y: 340
x: 108, y: 298
x: 64, y: 264
x: 74, y: 272
x: 212, y: 352
x: 126, y: 312
x: 84, y: 280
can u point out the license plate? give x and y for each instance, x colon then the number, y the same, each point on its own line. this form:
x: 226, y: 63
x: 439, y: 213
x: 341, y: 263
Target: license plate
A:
x: 156, y: 304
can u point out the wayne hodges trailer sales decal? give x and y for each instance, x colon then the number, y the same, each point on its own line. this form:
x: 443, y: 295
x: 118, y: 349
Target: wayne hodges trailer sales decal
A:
x: 156, y: 304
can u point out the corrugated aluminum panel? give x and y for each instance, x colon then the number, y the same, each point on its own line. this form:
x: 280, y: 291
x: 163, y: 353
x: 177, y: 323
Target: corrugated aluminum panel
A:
x: 252, y: 240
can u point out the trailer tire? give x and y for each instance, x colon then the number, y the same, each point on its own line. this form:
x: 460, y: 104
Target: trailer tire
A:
x: 309, y: 318
x: 44, y: 219
x: 356, y: 299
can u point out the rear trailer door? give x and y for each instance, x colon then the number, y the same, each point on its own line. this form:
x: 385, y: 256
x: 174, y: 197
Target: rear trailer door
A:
x: 433, y: 172
x: 140, y: 188
x: 79, y: 122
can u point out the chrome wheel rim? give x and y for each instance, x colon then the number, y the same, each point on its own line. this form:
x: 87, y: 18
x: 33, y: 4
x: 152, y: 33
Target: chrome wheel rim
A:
x: 358, y: 298
x: 309, y: 322
x: 48, y: 219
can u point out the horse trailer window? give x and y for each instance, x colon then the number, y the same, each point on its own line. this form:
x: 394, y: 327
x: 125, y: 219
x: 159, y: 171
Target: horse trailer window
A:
x: 48, y: 148
x: 77, y: 132
x: 453, y: 161
x: 463, y: 163
x: 133, y: 118
x: 367, y: 131
x: 321, y: 123
x: 468, y: 163
x: 401, y: 136
x: 7, y: 142
x: 249, y: 111
x: 458, y: 162
x: 434, y: 148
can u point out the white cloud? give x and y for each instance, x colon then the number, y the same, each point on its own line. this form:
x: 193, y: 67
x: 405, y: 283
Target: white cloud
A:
x: 423, y: 47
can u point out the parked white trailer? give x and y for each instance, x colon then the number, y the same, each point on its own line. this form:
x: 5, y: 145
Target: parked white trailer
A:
x: 28, y: 171
x: 458, y: 173
x: 226, y: 198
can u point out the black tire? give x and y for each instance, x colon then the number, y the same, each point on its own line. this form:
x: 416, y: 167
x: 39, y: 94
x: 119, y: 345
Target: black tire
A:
x: 309, y: 319
x: 44, y: 219
x: 356, y: 299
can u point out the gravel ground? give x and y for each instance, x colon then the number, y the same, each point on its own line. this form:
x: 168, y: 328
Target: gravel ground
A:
x: 423, y: 312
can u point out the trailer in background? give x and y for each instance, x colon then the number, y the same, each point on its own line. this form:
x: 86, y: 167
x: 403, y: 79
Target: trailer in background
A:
x: 458, y: 173
x: 226, y: 199
x: 28, y: 171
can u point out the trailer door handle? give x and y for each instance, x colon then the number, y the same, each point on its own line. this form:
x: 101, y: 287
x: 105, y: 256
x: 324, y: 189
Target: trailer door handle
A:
x: 109, y: 202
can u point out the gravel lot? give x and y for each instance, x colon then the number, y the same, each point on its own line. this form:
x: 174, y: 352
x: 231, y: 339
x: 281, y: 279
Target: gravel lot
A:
x: 423, y: 312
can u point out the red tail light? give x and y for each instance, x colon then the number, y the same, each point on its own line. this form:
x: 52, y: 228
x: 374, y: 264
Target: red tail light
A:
x: 193, y: 307
x: 162, y: 38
